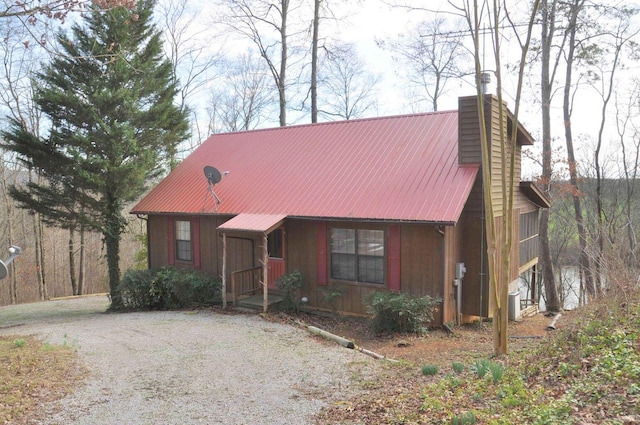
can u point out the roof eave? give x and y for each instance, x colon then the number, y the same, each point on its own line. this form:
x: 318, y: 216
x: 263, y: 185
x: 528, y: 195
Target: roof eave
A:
x: 535, y: 194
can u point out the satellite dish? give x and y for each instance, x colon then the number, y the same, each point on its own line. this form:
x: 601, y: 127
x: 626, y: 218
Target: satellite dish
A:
x: 213, y: 177
x: 212, y: 174
x: 3, y: 270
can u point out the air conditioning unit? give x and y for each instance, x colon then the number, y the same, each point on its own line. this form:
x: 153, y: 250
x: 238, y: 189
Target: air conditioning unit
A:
x: 514, y: 305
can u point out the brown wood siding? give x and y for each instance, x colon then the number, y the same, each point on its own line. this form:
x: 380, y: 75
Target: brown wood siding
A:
x: 515, y: 247
x: 421, y: 264
x: 450, y: 259
x: 422, y: 260
x: 158, y: 241
x: 518, y: 165
x: 469, y: 143
x: 496, y: 156
x: 301, y: 256
x: 243, y: 250
x: 474, y: 206
x: 469, y: 147
x: 475, y: 286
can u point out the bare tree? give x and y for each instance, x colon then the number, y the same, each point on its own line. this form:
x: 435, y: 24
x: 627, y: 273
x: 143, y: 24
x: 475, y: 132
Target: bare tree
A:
x: 18, y: 62
x: 499, y: 241
x: 548, y: 11
x: 431, y: 54
x: 192, y: 55
x: 265, y: 23
x: 314, y: 60
x: 242, y: 100
x: 625, y: 112
x: 576, y: 9
x: 348, y: 85
x: 617, y: 35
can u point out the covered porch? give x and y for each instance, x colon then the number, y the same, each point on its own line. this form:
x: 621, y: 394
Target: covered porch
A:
x: 251, y: 285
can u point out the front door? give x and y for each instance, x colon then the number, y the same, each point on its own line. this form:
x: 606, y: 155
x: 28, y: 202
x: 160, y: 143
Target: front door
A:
x: 276, y: 249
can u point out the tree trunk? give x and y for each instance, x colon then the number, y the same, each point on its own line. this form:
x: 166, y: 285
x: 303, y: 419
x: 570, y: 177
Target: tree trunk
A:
x: 81, y: 274
x: 13, y: 283
x: 111, y: 233
x: 314, y: 61
x: 283, y: 65
x: 584, y: 261
x: 72, y: 262
x: 548, y: 28
x: 42, y: 275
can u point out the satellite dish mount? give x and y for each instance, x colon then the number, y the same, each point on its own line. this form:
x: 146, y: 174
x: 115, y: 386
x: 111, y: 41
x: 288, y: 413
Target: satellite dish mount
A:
x: 213, y: 177
x: 4, y: 270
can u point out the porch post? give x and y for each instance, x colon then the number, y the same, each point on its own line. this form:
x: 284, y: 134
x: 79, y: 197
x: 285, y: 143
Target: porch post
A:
x: 224, y: 270
x: 265, y: 273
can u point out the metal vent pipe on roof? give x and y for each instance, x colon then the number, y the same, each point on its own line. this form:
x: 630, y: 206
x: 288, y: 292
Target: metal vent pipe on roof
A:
x: 485, y: 80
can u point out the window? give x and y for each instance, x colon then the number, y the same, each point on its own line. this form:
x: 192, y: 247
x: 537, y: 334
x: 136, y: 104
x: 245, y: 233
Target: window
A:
x: 184, y: 250
x: 274, y: 244
x: 357, y: 255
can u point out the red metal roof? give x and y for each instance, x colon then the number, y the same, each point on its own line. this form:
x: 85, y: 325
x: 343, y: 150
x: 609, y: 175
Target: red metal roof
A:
x: 389, y: 168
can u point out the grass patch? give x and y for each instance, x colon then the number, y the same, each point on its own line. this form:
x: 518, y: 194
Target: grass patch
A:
x: 31, y: 373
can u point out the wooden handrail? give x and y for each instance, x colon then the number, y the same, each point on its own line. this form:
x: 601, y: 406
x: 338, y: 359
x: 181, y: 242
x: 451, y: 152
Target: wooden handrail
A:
x: 245, y: 281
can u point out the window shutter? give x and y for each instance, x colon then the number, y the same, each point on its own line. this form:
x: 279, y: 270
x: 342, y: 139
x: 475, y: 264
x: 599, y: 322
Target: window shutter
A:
x: 393, y: 258
x: 195, y: 243
x: 171, y: 241
x: 321, y: 253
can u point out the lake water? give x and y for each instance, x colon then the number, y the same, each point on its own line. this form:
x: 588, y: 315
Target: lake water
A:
x: 568, y: 279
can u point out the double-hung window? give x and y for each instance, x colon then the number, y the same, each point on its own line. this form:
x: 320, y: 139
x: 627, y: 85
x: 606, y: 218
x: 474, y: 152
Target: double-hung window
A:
x: 184, y: 250
x: 357, y: 255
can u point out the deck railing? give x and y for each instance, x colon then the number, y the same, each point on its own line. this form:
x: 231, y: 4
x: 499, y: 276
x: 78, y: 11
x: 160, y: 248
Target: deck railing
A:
x: 245, y: 282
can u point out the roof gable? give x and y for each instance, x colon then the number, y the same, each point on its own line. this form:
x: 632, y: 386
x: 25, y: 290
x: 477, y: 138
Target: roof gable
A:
x: 391, y: 168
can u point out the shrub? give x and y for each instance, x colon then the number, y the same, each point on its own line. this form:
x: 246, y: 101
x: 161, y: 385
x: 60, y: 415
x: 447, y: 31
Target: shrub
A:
x: 429, y: 370
x: 400, y: 312
x: 168, y: 288
x: 289, y: 283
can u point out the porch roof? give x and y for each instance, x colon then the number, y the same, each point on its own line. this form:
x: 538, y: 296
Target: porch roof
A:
x: 263, y: 223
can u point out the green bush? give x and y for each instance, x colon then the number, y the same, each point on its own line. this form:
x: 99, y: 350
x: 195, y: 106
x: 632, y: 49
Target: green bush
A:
x: 289, y: 283
x: 400, y: 312
x: 168, y: 288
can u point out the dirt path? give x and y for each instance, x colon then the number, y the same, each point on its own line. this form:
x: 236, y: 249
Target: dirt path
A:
x: 188, y: 367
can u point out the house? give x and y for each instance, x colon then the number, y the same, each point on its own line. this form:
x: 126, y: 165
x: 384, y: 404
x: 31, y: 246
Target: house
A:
x: 390, y: 203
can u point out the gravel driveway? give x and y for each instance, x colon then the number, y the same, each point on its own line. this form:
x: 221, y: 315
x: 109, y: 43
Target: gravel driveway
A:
x: 188, y: 367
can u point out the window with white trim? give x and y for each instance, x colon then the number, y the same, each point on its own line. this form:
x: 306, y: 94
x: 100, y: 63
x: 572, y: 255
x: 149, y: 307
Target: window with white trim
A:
x: 184, y: 250
x: 357, y: 255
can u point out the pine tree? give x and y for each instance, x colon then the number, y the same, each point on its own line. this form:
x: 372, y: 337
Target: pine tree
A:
x: 113, y: 125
